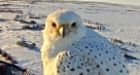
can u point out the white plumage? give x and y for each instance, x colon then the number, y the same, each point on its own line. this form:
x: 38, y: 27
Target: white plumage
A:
x: 69, y: 48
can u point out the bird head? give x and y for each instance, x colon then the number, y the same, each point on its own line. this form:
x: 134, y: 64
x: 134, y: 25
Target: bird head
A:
x: 63, y: 27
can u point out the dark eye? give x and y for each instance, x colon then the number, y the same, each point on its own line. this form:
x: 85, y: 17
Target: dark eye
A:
x: 73, y: 25
x: 53, y: 25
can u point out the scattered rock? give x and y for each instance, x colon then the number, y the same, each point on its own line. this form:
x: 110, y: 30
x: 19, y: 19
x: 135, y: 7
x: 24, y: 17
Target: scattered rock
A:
x: 12, y: 69
x: 130, y: 57
x: 120, y: 30
x: 33, y: 27
x: 2, y: 20
x: 11, y: 10
x: 1, y: 31
x: 5, y: 5
x: 118, y: 41
x: 27, y: 22
x: 125, y: 49
x: 132, y: 44
x: 34, y: 17
x: 97, y: 25
x: 8, y: 66
x: 18, y: 17
x: 26, y: 44
x: 114, y: 40
x: 7, y: 57
x: 21, y: 19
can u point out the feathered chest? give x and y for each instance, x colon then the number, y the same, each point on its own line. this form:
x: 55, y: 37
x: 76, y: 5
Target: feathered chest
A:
x: 75, y: 63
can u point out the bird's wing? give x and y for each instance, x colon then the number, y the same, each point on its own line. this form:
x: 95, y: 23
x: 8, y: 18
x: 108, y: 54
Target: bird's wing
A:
x: 97, y: 48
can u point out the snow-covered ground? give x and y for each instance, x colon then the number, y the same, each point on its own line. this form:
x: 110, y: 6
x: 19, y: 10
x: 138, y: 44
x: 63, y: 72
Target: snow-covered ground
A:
x: 121, y: 22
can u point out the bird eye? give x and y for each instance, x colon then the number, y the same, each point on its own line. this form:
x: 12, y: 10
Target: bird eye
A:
x: 73, y: 25
x: 53, y: 25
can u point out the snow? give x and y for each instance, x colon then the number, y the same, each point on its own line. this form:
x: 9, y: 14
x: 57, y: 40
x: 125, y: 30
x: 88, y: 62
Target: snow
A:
x: 120, y: 22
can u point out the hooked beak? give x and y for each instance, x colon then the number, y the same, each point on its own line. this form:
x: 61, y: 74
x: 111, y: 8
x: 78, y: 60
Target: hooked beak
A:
x: 62, y: 31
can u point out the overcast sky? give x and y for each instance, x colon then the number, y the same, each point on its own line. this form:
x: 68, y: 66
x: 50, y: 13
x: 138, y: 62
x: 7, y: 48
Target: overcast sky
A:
x: 132, y: 2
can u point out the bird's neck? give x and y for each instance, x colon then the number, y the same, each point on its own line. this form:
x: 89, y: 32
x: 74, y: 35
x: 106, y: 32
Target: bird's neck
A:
x: 51, y: 49
x: 49, y: 59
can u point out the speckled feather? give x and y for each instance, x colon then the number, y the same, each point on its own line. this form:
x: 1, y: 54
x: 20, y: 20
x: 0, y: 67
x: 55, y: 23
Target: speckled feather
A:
x: 92, y: 55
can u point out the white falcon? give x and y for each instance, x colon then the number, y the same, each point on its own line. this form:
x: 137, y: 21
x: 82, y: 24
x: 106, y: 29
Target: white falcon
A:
x: 69, y: 48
